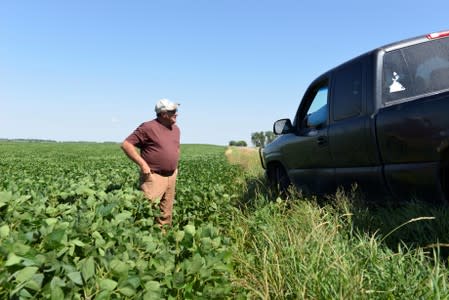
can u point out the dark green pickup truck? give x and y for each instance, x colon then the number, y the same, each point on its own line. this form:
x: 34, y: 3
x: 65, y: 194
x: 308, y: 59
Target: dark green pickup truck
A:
x: 380, y: 120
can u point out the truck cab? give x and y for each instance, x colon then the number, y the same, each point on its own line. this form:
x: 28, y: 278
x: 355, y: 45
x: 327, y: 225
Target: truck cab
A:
x: 364, y: 123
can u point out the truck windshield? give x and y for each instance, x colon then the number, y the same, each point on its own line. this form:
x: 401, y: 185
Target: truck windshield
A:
x: 416, y: 70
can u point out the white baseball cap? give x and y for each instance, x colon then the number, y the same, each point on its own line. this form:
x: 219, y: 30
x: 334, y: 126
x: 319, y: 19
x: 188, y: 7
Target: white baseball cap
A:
x: 164, y: 105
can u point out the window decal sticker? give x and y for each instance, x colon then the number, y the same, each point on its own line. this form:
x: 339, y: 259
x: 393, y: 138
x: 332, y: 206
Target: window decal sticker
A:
x: 396, y: 86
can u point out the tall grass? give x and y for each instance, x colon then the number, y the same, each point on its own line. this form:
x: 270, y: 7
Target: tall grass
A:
x: 246, y: 157
x: 341, y: 248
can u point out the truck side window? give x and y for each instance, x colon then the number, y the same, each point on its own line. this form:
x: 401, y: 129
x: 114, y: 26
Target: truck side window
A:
x: 347, y: 92
x: 396, y: 79
x: 416, y: 70
x: 318, y: 112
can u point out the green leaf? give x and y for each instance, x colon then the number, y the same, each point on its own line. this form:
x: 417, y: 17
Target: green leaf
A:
x: 108, y: 284
x: 77, y: 243
x: 134, y: 281
x: 214, y: 206
x: 195, y: 264
x: 35, y: 283
x: 190, y: 229
x: 25, y: 274
x: 51, y: 221
x: 37, y: 260
x: 106, y: 295
x: 152, y: 286
x: 57, y: 282
x: 4, y: 231
x: 150, y: 244
x: 178, y: 280
x: 105, y: 211
x: 57, y: 293
x: 97, y: 235
x: 21, y: 248
x: 62, y: 251
x: 123, y: 216
x: 118, y: 266
x: 152, y: 295
x: 127, y: 291
x: 75, y: 277
x: 88, y: 268
x: 99, y: 241
x: 13, y: 260
x: 179, y: 235
x: 23, y: 294
x: 141, y: 264
x: 5, y: 197
x: 56, y: 237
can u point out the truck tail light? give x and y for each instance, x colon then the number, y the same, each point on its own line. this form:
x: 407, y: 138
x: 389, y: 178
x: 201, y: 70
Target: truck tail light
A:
x: 437, y: 35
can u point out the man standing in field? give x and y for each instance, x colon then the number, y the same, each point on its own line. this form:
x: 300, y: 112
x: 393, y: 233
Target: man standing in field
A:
x: 158, y: 141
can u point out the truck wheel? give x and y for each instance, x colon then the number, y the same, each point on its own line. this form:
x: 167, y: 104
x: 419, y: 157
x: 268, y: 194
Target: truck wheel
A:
x: 279, y: 181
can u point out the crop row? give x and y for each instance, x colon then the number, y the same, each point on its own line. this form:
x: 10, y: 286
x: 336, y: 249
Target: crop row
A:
x: 73, y: 224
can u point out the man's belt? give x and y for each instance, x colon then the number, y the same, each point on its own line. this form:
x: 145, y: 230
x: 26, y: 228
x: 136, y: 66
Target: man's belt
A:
x: 163, y: 172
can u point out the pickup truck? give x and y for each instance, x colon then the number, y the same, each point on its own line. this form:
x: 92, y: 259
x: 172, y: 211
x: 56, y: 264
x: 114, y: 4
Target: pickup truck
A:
x: 380, y: 120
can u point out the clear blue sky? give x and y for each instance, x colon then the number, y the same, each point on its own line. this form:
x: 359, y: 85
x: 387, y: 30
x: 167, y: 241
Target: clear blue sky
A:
x: 93, y: 70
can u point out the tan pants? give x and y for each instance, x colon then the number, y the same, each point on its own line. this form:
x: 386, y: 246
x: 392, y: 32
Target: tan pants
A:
x: 161, y: 187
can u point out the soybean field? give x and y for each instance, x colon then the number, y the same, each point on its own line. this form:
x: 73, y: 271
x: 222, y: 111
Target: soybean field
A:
x: 74, y: 225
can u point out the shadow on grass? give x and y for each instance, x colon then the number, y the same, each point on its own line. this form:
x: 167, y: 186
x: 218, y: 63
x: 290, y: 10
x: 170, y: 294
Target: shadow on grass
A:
x: 410, y: 223
x: 407, y: 224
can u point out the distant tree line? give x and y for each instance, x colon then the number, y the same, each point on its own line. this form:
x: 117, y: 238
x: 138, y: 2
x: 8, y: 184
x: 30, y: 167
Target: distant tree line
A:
x: 258, y: 139
x: 238, y: 143
x: 53, y: 141
x: 28, y: 140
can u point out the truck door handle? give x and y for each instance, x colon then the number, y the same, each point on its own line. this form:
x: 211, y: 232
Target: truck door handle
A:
x: 322, y: 141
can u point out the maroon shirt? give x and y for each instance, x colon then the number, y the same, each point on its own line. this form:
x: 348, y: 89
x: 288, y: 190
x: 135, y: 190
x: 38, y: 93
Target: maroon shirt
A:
x: 159, y: 145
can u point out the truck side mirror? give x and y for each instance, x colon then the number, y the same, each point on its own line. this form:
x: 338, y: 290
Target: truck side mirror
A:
x: 282, y: 126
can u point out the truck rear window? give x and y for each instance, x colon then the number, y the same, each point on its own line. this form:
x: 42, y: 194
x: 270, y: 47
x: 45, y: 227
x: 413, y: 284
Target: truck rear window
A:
x: 416, y: 70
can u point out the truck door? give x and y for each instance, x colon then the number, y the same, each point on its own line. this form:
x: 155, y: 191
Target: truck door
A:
x: 307, y: 153
x: 351, y: 130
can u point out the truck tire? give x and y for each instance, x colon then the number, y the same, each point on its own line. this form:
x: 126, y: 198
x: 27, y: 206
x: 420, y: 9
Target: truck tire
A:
x: 278, y: 180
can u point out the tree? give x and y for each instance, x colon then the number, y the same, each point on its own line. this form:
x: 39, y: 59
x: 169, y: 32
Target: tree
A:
x: 261, y: 139
x: 238, y: 143
x: 241, y: 144
x: 258, y: 139
x: 269, y: 137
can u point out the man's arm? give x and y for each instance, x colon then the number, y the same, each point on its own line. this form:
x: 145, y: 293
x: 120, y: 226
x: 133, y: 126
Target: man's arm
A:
x: 132, y: 153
